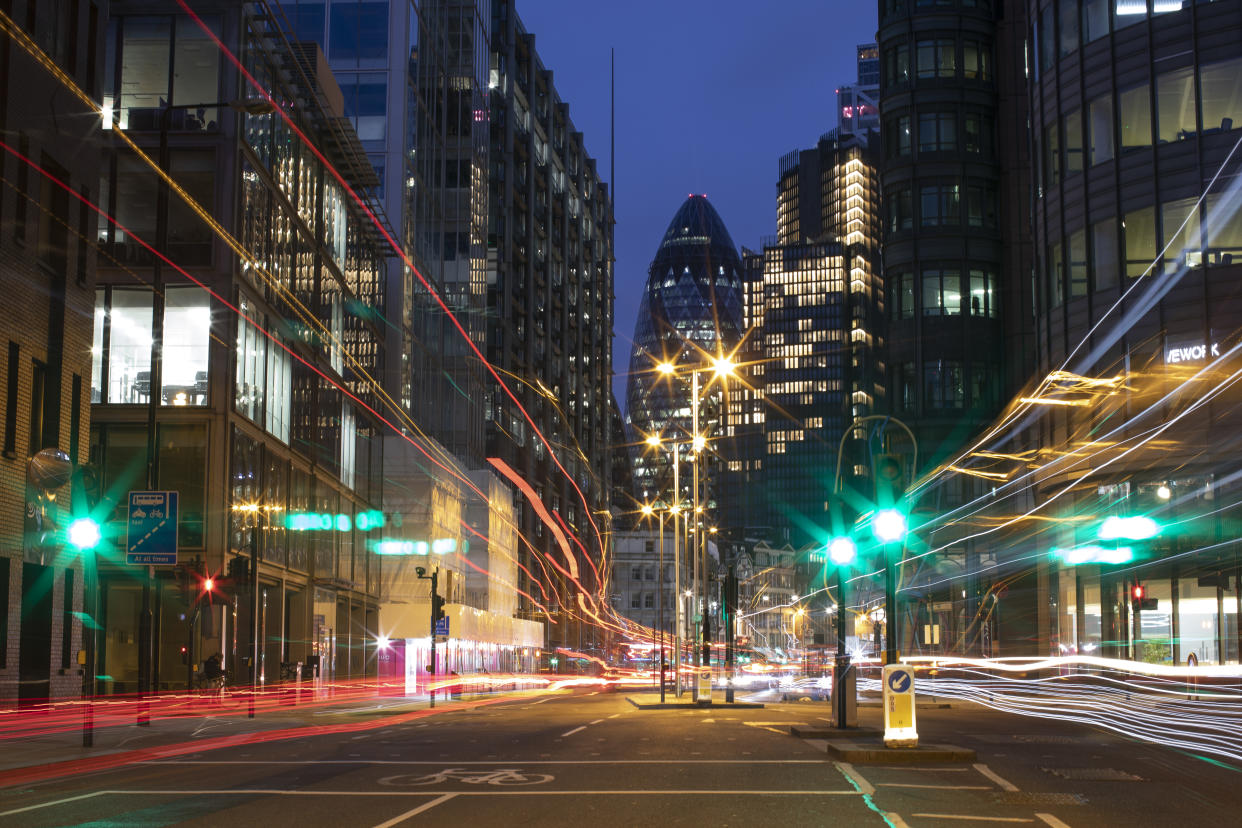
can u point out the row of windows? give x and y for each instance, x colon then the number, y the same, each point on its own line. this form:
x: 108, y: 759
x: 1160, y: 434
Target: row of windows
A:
x: 1064, y: 25
x: 944, y: 292
x: 947, y: 384
x: 940, y: 131
x: 1187, y: 103
x: 895, y: 6
x: 940, y: 204
x: 1193, y: 234
x: 938, y: 58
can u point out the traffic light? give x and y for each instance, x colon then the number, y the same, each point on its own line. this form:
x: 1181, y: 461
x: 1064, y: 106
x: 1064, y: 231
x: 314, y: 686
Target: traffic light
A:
x: 185, y: 654
x: 842, y: 551
x: 84, y: 534
x: 889, y: 473
x: 437, y: 607
x: 1138, y: 597
x: 239, y: 569
x: 889, y: 525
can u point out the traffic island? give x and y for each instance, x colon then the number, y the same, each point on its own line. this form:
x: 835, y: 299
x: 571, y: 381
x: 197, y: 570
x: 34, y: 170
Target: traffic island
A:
x: 866, y: 746
x: 652, y: 702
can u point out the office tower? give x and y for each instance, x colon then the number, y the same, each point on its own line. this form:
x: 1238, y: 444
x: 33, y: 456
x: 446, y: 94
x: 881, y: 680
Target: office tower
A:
x: 50, y: 157
x: 252, y: 356
x: 549, y: 326
x: 691, y: 311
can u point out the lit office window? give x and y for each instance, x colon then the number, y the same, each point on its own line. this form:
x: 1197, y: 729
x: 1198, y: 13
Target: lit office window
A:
x: 349, y: 444
x: 936, y: 58
x: 97, y: 346
x: 1221, y: 86
x: 1175, y: 105
x: 1224, y: 231
x: 279, y: 390
x: 942, y: 292
x: 1139, y: 234
x: 251, y: 354
x: 1180, y: 223
x: 1135, y: 116
x: 976, y: 63
x: 1073, y: 142
x: 187, y: 335
x: 129, y: 347
x: 982, y: 293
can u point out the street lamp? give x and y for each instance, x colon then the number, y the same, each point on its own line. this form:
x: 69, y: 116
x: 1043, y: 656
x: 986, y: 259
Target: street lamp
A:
x: 648, y: 509
x: 720, y: 367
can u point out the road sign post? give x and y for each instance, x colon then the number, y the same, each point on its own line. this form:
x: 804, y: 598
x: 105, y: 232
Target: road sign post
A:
x: 899, y: 729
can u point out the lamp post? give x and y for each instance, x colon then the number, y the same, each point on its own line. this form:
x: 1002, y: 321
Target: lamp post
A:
x: 648, y: 509
x: 721, y: 367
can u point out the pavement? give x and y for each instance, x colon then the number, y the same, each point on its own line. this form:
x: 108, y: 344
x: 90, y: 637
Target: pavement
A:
x: 591, y: 757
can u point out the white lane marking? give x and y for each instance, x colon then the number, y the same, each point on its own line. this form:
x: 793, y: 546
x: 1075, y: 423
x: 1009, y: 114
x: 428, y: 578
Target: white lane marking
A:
x: 974, y: 818
x: 52, y: 803
x: 614, y: 715
x: 1053, y: 821
x: 619, y: 792
x: 895, y: 820
x: 1005, y: 785
x: 426, y: 806
x: 906, y: 768
x: 572, y: 732
x: 597, y: 721
x: 707, y: 721
x: 541, y: 701
x: 848, y: 771
x: 935, y: 787
x: 479, y: 762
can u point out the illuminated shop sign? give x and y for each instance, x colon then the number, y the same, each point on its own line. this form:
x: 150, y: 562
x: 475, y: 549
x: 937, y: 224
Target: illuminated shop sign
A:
x: 1193, y: 351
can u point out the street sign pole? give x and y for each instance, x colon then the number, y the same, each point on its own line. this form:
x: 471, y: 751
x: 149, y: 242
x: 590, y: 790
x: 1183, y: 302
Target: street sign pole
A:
x: 434, y: 592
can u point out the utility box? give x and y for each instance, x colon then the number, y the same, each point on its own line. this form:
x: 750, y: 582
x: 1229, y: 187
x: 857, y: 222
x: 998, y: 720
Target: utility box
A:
x: 844, y: 693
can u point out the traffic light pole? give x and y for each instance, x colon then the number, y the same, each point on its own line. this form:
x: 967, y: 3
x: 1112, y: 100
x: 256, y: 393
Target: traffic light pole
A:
x: 435, y: 573
x: 843, y: 659
x: 890, y: 605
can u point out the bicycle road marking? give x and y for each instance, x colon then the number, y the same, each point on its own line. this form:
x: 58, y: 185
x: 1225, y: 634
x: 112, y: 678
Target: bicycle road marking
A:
x: 426, y: 806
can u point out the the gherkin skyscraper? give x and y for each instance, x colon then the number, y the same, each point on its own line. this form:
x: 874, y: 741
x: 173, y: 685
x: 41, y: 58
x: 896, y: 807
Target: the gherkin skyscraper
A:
x: 691, y: 309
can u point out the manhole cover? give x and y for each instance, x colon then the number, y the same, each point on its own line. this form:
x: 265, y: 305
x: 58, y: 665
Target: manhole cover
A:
x: 1027, y: 798
x: 1094, y: 774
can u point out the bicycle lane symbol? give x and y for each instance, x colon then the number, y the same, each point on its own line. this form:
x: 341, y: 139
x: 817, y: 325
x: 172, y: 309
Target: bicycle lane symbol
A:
x: 498, y: 776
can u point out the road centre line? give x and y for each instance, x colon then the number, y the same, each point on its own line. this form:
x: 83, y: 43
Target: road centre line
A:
x: 572, y: 732
x: 614, y: 715
x: 847, y: 770
x: 1052, y: 821
x: 597, y: 721
x: 1004, y: 784
x: 414, y: 811
x: 53, y: 802
x: 974, y: 818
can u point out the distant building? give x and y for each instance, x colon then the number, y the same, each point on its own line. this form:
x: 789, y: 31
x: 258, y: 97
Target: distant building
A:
x: 691, y: 311
x: 858, y: 104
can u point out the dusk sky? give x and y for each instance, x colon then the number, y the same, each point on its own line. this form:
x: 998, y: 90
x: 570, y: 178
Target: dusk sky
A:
x: 709, y: 96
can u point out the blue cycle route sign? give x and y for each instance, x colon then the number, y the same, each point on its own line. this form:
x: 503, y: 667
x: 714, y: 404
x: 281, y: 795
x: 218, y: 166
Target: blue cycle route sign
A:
x: 442, y: 627
x: 899, y: 681
x: 152, y: 533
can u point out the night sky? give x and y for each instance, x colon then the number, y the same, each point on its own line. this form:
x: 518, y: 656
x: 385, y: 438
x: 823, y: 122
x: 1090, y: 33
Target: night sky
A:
x: 710, y: 94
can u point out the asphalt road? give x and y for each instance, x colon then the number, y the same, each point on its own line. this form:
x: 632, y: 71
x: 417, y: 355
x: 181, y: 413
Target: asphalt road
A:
x: 595, y: 760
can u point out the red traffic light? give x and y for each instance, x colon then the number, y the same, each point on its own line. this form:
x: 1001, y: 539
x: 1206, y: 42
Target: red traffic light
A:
x: 209, y: 584
x: 1138, y: 592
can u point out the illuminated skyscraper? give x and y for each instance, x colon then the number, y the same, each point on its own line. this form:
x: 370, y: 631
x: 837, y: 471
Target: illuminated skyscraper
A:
x: 692, y: 305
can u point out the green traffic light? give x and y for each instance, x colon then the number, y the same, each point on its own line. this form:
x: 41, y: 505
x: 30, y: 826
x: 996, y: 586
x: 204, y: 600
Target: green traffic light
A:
x: 84, y: 534
x: 889, y: 525
x: 1128, y: 528
x: 842, y: 551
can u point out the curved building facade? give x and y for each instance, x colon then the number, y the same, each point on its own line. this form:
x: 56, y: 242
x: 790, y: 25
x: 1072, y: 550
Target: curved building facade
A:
x: 691, y: 306
x: 1136, y: 122
x: 943, y: 217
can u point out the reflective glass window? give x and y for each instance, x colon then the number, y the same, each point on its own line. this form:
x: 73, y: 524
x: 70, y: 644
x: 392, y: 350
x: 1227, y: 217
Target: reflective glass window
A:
x: 97, y: 346
x: 1047, y: 34
x: 977, y: 134
x: 942, y: 292
x: 183, y: 469
x: 1139, y: 237
x: 936, y: 58
x: 196, y: 75
x: 1135, y: 116
x: 939, y: 204
x: 1069, y: 26
x: 937, y: 131
x: 1104, y: 252
x: 189, y: 235
x: 129, y: 346
x: 359, y: 33
x: 1056, y: 275
x: 146, y: 44
x: 251, y: 356
x: 1100, y: 129
x: 1220, y: 84
x: 1224, y: 230
x: 307, y: 20
x: 1078, y: 264
x: 187, y: 336
x: 1052, y: 156
x: 976, y: 63
x: 1130, y: 12
x: 942, y: 384
x: 279, y: 390
x: 981, y: 205
x: 1094, y: 19
x: 1073, y: 142
x: 1180, y: 223
x: 366, y: 103
x: 897, y: 66
x: 1175, y: 105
